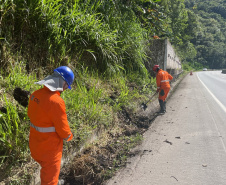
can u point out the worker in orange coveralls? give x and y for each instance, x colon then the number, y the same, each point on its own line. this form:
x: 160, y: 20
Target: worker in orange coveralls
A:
x: 48, y: 123
x: 163, y: 86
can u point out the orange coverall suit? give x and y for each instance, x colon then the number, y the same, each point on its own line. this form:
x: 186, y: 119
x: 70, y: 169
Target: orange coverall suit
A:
x: 49, y: 126
x: 163, y: 85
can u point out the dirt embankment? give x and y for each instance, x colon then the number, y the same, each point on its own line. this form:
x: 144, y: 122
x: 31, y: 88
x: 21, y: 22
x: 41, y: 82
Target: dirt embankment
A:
x: 98, y: 162
x: 101, y: 160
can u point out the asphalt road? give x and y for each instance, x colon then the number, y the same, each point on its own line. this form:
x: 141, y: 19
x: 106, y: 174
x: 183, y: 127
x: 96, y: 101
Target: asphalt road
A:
x: 187, y: 145
x: 215, y: 81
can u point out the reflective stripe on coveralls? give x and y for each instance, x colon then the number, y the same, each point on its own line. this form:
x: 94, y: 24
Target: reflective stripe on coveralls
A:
x: 43, y: 129
x: 67, y: 137
x: 165, y: 80
x: 46, y: 130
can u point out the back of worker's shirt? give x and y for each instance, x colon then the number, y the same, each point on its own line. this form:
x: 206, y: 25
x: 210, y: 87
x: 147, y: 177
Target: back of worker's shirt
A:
x: 47, y: 109
x: 162, y: 79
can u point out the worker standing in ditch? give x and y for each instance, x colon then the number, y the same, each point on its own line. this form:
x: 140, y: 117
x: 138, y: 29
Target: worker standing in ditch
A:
x: 48, y: 123
x: 163, y: 86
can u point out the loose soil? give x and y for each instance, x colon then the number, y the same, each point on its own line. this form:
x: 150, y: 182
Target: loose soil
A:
x: 99, y: 162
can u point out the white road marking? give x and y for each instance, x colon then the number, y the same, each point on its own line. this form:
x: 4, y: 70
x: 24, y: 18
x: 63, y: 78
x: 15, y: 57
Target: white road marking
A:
x: 224, y: 109
x: 214, y: 97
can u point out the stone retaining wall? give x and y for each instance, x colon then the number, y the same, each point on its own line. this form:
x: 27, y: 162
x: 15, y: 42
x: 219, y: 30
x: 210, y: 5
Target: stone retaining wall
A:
x: 163, y: 54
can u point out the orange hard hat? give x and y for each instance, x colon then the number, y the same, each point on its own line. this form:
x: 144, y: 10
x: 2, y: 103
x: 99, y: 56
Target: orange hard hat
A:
x: 155, y: 67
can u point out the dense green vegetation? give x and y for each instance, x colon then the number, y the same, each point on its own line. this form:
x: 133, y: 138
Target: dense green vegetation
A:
x: 106, y: 45
x: 209, y: 39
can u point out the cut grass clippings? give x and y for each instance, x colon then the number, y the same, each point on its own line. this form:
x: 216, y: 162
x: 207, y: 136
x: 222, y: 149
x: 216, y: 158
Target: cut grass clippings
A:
x: 101, y: 159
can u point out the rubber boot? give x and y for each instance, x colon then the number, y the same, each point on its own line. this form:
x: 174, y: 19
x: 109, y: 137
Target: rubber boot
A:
x: 161, y: 103
x: 164, y: 106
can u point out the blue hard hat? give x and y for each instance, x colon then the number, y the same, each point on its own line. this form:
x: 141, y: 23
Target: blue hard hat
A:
x: 66, y: 73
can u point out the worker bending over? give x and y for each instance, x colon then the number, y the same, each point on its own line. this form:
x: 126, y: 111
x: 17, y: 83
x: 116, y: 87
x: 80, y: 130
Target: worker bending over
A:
x: 48, y: 123
x: 163, y: 86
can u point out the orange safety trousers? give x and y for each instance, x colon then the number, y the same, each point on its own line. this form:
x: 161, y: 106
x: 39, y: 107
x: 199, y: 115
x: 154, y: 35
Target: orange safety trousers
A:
x: 48, y: 157
x: 163, y: 93
x: 50, y: 171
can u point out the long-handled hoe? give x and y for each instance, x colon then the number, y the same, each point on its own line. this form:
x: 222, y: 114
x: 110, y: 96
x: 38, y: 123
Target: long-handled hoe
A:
x: 144, y: 105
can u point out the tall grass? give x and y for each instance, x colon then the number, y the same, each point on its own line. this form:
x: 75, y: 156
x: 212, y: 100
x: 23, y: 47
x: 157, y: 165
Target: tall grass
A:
x: 17, y: 77
x: 14, y: 127
x: 48, y: 33
x: 87, y: 106
x: 77, y: 29
x: 13, y: 134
